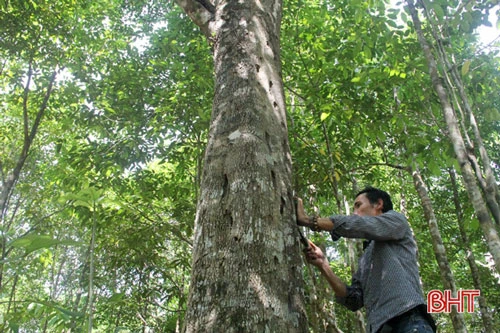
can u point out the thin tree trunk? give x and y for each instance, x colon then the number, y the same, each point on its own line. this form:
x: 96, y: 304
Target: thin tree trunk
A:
x: 12, y: 293
x: 315, y: 301
x: 333, y: 169
x: 91, y: 270
x: 352, y: 259
x: 447, y: 277
x: 10, y: 177
x: 74, y: 323
x: 322, y: 317
x: 353, y: 254
x: 55, y: 279
x: 324, y: 312
x: 29, y: 135
x: 482, y: 212
x: 485, y: 313
x: 247, y: 267
x: 454, y: 83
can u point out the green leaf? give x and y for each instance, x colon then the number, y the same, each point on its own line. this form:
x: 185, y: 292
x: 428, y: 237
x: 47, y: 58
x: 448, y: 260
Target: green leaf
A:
x: 33, y: 242
x: 367, y: 52
x: 392, y: 24
x: 83, y: 204
x: 14, y: 327
x: 65, y: 313
x: 438, y: 10
x: 116, y: 297
x: 324, y: 115
x: 465, y: 67
x: 474, y: 224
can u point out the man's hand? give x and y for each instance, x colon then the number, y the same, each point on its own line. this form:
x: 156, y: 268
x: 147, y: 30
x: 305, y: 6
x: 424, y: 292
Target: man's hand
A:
x: 315, y: 256
x: 302, y: 218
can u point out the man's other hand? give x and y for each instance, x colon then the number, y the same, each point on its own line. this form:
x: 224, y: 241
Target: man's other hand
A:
x: 315, y: 256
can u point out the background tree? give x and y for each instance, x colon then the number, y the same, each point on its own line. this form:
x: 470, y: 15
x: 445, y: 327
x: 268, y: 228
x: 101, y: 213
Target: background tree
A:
x: 460, y: 149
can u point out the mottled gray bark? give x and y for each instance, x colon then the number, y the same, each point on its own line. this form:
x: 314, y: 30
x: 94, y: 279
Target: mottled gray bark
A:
x: 247, y: 267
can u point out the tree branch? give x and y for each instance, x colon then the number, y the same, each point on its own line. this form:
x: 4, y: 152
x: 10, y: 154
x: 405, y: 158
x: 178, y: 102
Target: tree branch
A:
x: 29, y: 136
x: 201, y: 12
x: 394, y: 166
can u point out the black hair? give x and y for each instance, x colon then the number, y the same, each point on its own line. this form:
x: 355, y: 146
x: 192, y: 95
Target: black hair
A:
x: 373, y: 194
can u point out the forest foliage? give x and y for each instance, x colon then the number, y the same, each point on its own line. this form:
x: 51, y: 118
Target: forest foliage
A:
x: 105, y: 108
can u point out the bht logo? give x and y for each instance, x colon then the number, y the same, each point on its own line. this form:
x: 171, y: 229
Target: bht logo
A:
x: 437, y: 301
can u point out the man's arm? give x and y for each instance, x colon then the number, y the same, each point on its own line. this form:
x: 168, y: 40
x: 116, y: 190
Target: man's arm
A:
x: 315, y: 256
x: 384, y: 227
x: 349, y: 296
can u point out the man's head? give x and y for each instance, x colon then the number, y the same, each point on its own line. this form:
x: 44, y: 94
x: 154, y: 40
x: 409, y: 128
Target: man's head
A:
x: 372, y: 201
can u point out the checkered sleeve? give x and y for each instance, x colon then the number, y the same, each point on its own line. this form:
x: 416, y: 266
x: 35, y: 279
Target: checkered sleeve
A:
x: 354, y: 299
x: 388, y: 226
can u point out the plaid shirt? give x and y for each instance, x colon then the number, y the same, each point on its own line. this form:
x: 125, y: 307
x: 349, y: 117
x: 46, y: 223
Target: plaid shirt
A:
x: 387, y: 282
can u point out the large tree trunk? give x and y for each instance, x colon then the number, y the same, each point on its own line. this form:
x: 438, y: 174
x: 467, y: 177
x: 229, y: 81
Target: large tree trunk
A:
x: 475, y: 195
x: 246, y: 274
x: 447, y: 277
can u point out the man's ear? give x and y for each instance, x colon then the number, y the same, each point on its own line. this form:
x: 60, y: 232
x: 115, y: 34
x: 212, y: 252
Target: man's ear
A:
x: 380, y: 204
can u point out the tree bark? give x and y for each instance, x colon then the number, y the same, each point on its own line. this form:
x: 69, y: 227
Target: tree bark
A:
x: 475, y: 195
x: 8, y: 184
x: 247, y: 268
x: 447, y: 277
x: 485, y: 176
x: 483, y: 306
x: 10, y: 177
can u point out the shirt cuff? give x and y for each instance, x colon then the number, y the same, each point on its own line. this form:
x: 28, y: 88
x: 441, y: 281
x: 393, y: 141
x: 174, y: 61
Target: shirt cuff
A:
x: 354, y: 299
x: 335, y: 236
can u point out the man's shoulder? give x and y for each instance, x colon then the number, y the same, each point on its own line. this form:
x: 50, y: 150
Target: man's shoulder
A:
x: 395, y: 214
x: 397, y: 217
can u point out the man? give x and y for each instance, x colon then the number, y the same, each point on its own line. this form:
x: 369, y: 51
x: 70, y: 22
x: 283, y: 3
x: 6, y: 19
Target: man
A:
x: 387, y: 282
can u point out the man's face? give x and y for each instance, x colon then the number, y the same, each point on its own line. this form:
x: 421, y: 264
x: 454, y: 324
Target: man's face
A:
x: 363, y: 207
